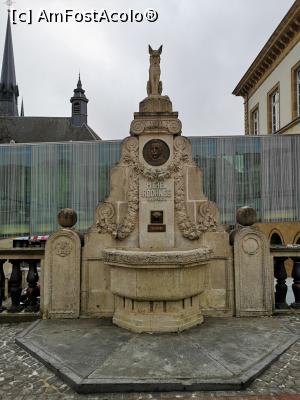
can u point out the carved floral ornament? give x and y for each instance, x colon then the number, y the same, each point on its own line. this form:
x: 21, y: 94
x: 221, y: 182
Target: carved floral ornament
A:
x: 63, y: 248
x: 105, y: 213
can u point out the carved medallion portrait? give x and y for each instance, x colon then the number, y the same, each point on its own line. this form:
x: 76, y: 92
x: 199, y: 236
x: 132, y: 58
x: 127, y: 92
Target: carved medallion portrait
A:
x: 156, y: 152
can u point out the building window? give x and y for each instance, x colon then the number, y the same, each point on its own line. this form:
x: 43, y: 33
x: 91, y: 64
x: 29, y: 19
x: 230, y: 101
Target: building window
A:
x: 297, y: 239
x: 254, y: 121
x: 296, y: 91
x: 76, y: 108
x: 274, y: 110
x: 275, y: 239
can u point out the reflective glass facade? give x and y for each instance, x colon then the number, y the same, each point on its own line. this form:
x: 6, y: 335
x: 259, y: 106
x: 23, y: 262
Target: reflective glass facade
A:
x: 37, y: 180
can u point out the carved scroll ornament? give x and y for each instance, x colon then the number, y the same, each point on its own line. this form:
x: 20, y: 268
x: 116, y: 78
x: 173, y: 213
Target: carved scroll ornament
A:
x: 172, y: 126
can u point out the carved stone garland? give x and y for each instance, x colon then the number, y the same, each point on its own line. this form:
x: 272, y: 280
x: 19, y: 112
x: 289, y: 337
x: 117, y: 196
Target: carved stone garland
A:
x: 207, y: 210
x: 105, y: 212
x: 206, y: 213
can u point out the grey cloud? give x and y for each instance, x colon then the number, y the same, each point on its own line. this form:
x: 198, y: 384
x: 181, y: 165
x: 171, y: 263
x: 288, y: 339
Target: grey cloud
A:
x: 208, y: 45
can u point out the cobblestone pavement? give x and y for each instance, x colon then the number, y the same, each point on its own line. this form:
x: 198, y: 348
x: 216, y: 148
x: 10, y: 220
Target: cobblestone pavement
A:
x: 24, y: 378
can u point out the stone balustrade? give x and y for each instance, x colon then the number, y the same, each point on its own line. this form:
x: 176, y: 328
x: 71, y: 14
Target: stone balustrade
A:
x: 14, y: 281
x: 32, y: 257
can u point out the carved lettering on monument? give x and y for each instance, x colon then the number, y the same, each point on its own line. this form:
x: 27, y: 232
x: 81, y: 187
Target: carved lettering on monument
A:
x: 156, y: 191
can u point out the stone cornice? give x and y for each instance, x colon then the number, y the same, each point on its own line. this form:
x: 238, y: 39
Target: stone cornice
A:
x: 154, y: 259
x: 283, y: 39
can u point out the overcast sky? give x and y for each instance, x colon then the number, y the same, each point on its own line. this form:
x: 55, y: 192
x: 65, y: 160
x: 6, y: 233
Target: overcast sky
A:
x: 207, y: 47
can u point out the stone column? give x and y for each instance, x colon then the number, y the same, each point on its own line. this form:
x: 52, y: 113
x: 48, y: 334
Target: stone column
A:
x: 61, y: 277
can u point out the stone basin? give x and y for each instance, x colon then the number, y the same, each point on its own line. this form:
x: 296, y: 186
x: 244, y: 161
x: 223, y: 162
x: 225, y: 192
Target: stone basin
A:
x: 157, y: 291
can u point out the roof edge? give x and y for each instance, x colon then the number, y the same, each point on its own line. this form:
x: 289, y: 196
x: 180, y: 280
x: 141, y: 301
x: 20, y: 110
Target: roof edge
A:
x: 286, y: 31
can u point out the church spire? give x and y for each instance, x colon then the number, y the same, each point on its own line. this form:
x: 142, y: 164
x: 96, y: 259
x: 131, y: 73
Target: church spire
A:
x: 79, y: 105
x: 22, y: 108
x: 79, y: 84
x: 9, y: 91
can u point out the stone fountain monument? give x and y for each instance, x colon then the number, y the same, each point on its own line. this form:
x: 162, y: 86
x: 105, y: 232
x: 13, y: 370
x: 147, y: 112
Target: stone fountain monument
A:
x: 156, y: 258
x: 152, y: 225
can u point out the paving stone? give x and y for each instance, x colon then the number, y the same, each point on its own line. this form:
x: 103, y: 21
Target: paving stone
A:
x: 282, y: 378
x: 229, y: 349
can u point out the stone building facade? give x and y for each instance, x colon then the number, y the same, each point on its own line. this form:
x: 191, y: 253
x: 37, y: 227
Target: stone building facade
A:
x: 271, y: 86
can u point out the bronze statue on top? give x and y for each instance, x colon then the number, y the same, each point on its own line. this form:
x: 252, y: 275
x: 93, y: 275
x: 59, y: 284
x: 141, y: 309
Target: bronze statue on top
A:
x: 154, y: 85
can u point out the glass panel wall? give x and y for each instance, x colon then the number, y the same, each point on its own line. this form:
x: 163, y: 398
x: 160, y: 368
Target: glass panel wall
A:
x: 38, y: 180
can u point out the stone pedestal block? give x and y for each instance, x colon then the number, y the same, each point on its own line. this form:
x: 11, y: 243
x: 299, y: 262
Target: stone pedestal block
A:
x: 61, y: 277
x: 157, y: 316
x: 253, y: 273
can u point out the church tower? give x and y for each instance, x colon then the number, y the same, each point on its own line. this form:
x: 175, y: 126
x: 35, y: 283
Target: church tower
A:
x: 9, y: 91
x: 79, y: 105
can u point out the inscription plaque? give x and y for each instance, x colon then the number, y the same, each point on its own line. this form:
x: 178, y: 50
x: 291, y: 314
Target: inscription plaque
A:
x: 157, y: 228
x: 156, y: 152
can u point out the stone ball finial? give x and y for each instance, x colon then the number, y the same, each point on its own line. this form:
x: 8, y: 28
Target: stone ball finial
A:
x: 246, y: 216
x: 67, y: 218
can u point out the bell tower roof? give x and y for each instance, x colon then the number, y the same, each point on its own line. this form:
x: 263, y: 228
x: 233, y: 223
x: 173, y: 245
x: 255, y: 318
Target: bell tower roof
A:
x: 79, y: 105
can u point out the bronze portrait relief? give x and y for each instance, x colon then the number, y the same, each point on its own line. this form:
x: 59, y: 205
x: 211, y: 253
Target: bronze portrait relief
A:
x: 156, y: 152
